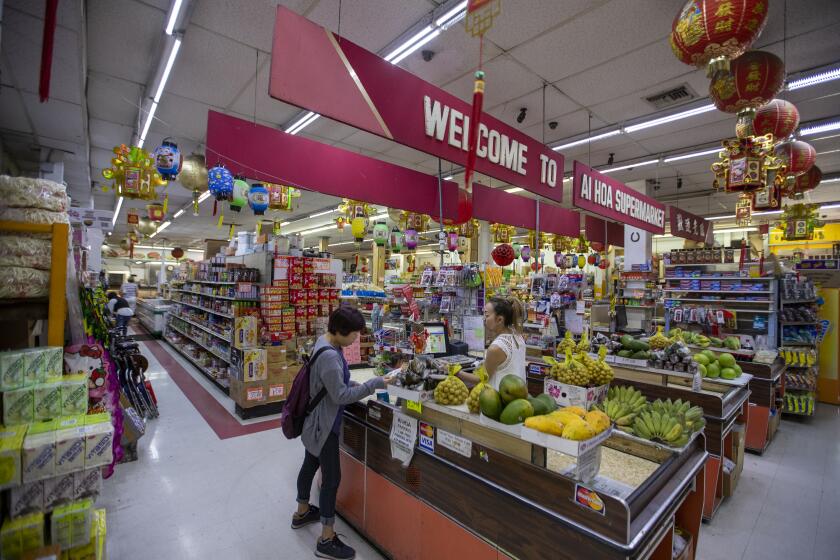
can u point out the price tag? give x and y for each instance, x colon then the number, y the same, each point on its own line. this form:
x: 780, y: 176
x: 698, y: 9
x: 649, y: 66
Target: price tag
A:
x: 459, y: 445
x: 415, y: 406
x: 697, y: 382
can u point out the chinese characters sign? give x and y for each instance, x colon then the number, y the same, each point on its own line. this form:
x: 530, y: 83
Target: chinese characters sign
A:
x: 687, y: 225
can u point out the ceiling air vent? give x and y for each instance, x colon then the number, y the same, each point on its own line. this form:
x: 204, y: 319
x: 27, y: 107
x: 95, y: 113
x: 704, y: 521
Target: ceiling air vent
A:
x: 675, y: 96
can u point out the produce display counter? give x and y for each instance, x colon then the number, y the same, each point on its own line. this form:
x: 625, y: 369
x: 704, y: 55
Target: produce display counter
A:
x: 474, y: 491
x: 725, y: 407
x: 765, y: 395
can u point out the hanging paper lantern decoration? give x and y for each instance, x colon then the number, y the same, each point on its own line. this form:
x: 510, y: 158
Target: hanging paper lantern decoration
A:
x: 177, y: 253
x: 155, y: 212
x: 501, y: 233
x: 581, y: 261
x: 463, y: 244
x: 779, y: 118
x: 711, y: 33
x: 411, y: 262
x: 340, y: 222
x: 743, y: 209
x: 517, y: 249
x: 797, y: 156
x: 591, y: 259
x: 146, y: 226
x: 132, y: 218
x: 597, y: 246
x: 168, y: 160
x: 452, y: 240
x: 525, y: 253
x: 380, y: 233
x: 502, y: 255
x: 258, y: 198
x: 411, y: 238
x: 744, y: 163
x: 808, y: 181
x: 133, y: 173
x: 281, y: 197
x: 239, y: 198
x: 193, y: 175
x: 358, y: 227
x: 468, y: 229
x: 799, y: 222
x: 220, y: 182
x: 559, y: 260
x: 397, y: 240
x: 603, y: 264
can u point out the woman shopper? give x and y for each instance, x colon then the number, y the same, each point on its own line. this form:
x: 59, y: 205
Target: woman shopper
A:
x: 322, y: 428
x: 119, y: 308
x: 129, y: 291
x: 506, y: 354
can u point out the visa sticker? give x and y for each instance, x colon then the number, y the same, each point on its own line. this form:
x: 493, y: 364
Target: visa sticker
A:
x: 426, y: 439
x: 589, y: 499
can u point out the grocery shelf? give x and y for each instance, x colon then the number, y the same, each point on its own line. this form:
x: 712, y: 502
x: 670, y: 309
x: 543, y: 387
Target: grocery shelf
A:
x: 189, y: 336
x: 204, y: 295
x: 208, y: 282
x: 225, y: 315
x: 804, y: 388
x: 795, y: 301
x: 718, y: 291
x: 718, y: 300
x: 200, y: 368
x: 742, y: 278
x: 783, y: 343
x: 202, y: 327
x: 786, y: 323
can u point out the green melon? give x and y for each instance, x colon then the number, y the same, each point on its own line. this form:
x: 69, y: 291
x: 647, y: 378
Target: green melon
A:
x: 516, y: 412
x: 490, y: 403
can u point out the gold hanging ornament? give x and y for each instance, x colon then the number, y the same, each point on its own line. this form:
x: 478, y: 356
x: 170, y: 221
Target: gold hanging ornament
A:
x: 744, y: 164
x: 743, y: 209
x: 501, y: 233
x: 799, y: 222
x: 134, y: 173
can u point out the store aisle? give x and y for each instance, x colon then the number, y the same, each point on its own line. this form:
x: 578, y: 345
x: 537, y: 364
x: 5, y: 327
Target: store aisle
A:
x: 193, y: 495
x: 787, y: 504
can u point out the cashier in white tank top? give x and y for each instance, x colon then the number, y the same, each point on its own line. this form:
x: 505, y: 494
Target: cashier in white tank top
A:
x: 506, y: 354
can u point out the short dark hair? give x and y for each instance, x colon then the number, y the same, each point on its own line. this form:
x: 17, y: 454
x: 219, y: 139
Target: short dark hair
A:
x: 112, y: 295
x: 345, y: 320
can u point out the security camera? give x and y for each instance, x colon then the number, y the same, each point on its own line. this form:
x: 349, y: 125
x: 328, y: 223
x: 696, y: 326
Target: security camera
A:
x: 552, y: 125
x: 427, y: 55
x: 521, y: 116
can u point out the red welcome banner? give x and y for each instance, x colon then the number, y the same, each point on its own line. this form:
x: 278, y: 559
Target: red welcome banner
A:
x: 603, y: 231
x: 602, y: 195
x: 313, y: 68
x: 687, y: 225
x: 267, y: 154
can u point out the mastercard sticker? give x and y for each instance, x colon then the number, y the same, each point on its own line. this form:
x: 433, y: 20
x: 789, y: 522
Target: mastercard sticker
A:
x: 589, y: 499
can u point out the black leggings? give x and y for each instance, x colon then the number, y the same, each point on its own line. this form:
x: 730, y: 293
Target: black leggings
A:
x: 330, y: 478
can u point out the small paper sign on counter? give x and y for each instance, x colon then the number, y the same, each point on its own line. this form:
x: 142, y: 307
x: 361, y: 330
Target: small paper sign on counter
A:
x: 697, y: 382
x: 403, y: 437
x: 415, y: 406
x: 450, y: 441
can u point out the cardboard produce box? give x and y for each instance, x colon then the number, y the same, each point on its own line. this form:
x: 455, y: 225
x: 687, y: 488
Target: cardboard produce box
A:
x: 248, y: 394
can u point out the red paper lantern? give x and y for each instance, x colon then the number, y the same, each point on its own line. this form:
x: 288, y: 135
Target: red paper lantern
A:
x: 177, y: 252
x: 503, y: 254
x: 798, y: 156
x: 779, y: 118
x: 716, y: 31
x: 754, y: 80
x: 807, y: 181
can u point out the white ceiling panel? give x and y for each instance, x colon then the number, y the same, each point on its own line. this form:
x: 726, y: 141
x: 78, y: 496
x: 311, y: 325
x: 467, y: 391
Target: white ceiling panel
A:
x: 180, y: 117
x: 519, y: 23
x: 268, y: 108
x: 123, y: 37
x: 68, y: 16
x: 802, y: 16
x: 12, y: 111
x: 567, y: 125
x: 597, y: 36
x: 506, y: 79
x: 557, y: 106
x: 368, y: 141
x: 406, y: 155
x: 105, y: 135
x: 55, y: 119
x: 329, y: 129
x: 456, y: 55
x: 372, y: 24
x: 113, y: 99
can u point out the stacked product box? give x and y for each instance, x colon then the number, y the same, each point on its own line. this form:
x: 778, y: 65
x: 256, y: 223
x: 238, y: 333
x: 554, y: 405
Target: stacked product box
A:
x: 277, y: 315
x: 312, y: 294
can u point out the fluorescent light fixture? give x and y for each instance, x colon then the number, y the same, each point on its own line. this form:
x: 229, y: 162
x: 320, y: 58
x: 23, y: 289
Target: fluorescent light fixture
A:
x: 110, y: 233
x: 736, y: 230
x: 832, y: 180
x: 302, y: 122
x: 692, y: 155
x: 418, y: 40
x: 630, y: 165
x: 284, y: 223
x: 204, y: 196
x: 587, y: 140
x: 817, y: 128
x: 513, y: 190
x: 425, y: 253
x: 173, y: 16
x: 814, y: 79
x: 167, y: 69
x: 727, y: 217
x: 459, y: 10
x: 117, y: 209
x: 149, y: 116
x: 138, y: 262
x: 832, y: 206
x: 178, y: 214
x: 319, y: 229
x: 448, y: 178
x: 161, y: 227
x: 767, y: 213
x: 324, y: 213
x: 670, y: 118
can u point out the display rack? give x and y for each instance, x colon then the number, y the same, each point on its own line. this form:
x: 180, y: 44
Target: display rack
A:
x: 152, y: 315
x: 723, y: 298
x: 637, y: 292
x: 800, y: 330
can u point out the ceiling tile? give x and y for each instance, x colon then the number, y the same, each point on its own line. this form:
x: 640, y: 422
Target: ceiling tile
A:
x: 368, y: 141
x: 113, y: 99
x: 557, y: 105
x: 105, y: 135
x: 455, y: 56
x: 124, y: 37
x: 55, y: 119
x: 506, y: 80
x: 12, y: 112
x: 514, y: 26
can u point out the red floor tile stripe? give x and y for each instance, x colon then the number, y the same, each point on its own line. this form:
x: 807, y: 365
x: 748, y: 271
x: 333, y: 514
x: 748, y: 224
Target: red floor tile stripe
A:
x: 219, y: 419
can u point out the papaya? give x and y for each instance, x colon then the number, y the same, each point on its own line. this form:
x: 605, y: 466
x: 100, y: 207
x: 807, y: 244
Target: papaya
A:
x: 516, y: 412
x: 490, y: 403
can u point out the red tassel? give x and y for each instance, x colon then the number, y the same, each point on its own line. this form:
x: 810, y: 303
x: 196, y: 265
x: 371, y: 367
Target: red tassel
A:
x: 475, y: 118
x: 47, y: 49
x: 215, y: 202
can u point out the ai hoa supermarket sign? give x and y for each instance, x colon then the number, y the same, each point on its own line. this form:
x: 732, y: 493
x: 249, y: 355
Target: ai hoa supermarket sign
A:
x: 602, y: 195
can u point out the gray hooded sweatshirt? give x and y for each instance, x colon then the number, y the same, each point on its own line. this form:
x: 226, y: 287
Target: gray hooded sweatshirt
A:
x: 328, y: 371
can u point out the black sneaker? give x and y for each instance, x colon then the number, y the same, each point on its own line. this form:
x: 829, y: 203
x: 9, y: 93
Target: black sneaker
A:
x: 335, y: 549
x: 311, y: 516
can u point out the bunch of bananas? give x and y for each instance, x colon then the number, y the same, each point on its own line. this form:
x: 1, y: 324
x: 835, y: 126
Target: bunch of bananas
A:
x: 690, y: 416
x: 568, y: 343
x: 659, y: 341
x: 623, y: 404
x: 665, y: 428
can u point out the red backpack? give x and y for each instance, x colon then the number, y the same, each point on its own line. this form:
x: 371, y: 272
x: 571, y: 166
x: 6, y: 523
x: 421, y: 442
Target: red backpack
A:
x: 298, y: 406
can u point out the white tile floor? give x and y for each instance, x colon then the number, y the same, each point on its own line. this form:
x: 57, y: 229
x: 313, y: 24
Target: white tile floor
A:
x: 191, y: 495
